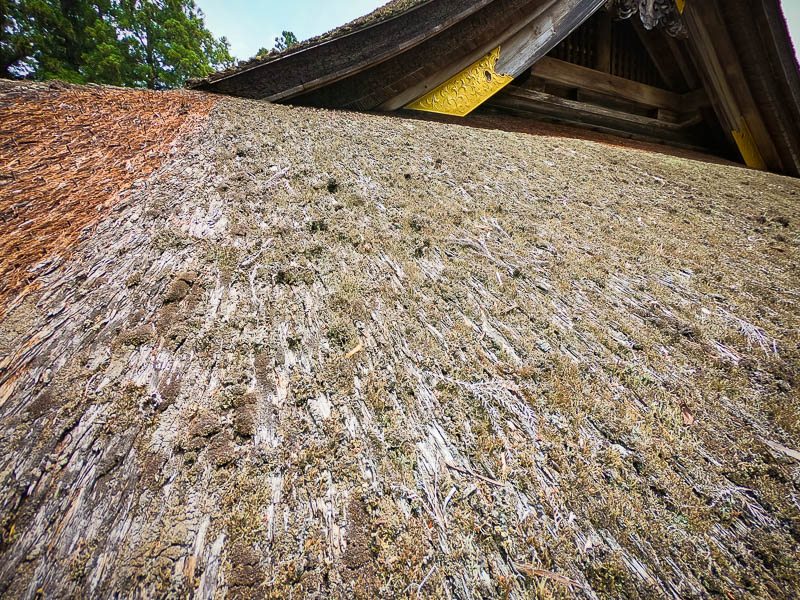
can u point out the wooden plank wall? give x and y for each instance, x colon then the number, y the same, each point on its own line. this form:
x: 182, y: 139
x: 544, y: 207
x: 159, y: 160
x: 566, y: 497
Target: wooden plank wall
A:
x: 611, y: 47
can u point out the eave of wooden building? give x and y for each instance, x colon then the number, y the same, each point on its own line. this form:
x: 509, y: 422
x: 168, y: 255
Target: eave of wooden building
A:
x: 714, y: 76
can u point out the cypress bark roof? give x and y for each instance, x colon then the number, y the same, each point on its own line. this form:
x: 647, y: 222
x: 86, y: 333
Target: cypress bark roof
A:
x: 58, y: 182
x: 332, y: 354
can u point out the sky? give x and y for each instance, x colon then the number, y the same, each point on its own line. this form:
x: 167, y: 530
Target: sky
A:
x: 253, y: 24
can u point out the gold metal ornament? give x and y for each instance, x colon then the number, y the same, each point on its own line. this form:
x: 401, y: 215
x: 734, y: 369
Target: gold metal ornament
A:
x: 464, y: 92
x: 747, y: 146
x: 681, y: 4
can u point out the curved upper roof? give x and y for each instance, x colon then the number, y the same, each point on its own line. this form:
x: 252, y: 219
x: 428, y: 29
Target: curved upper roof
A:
x: 383, y: 13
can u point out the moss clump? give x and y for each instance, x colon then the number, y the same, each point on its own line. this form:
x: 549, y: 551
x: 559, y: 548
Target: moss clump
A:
x: 169, y: 391
x: 79, y: 565
x: 167, y: 239
x: 292, y: 275
x: 221, y: 450
x: 611, y: 578
x: 136, y: 337
x: 204, y: 424
x: 246, y: 573
x: 244, y: 421
x: 244, y: 505
x: 180, y: 286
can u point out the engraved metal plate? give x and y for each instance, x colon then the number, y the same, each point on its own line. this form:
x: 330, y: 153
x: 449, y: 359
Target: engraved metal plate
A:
x: 464, y: 92
x: 747, y: 146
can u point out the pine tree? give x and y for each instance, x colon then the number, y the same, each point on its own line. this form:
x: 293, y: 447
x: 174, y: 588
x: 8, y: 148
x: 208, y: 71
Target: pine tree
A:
x: 286, y: 40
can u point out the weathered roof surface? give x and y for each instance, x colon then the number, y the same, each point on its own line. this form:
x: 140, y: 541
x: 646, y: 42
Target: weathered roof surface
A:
x: 331, y: 354
x: 308, y: 67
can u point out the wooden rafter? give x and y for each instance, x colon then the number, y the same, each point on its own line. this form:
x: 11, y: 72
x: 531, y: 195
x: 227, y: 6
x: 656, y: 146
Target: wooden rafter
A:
x: 521, y: 46
x: 662, y: 55
x: 530, y: 102
x: 552, y: 69
x: 725, y: 81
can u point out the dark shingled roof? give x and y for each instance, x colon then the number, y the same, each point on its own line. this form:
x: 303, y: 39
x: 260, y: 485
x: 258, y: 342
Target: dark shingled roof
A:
x: 387, y: 11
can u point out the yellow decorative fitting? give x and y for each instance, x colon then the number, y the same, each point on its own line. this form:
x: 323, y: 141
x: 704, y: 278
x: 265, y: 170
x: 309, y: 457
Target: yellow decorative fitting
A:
x: 681, y: 4
x: 747, y: 146
x: 463, y: 93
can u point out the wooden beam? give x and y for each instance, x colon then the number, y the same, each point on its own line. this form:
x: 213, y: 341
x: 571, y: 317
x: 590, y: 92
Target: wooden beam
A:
x: 662, y: 56
x: 520, y: 45
x: 602, y: 61
x: 533, y: 99
x: 585, y: 112
x: 695, y: 99
x: 571, y: 75
x: 529, y: 102
x: 724, y: 79
x: 683, y: 61
x: 537, y: 39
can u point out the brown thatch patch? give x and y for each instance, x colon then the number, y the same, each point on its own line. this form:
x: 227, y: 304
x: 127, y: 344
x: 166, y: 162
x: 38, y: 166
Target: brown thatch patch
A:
x: 66, y: 154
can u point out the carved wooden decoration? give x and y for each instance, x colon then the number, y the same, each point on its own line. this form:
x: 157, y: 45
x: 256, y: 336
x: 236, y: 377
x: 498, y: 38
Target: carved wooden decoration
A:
x: 464, y: 92
x: 664, y: 14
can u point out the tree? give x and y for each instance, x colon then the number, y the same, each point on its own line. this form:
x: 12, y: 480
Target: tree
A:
x: 286, y: 40
x: 44, y: 37
x: 144, y: 43
x: 15, y: 45
x: 170, y: 41
x: 47, y: 39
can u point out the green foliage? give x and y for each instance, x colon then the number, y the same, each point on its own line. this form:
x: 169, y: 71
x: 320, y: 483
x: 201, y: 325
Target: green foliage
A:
x: 287, y: 40
x: 31, y: 25
x: 170, y: 42
x: 143, y: 43
x: 15, y: 44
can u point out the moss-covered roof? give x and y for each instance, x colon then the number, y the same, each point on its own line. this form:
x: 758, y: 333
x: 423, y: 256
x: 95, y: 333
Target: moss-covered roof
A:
x: 331, y: 354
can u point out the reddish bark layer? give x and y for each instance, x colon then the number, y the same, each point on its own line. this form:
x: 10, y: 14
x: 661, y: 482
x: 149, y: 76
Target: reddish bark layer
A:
x: 66, y: 153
